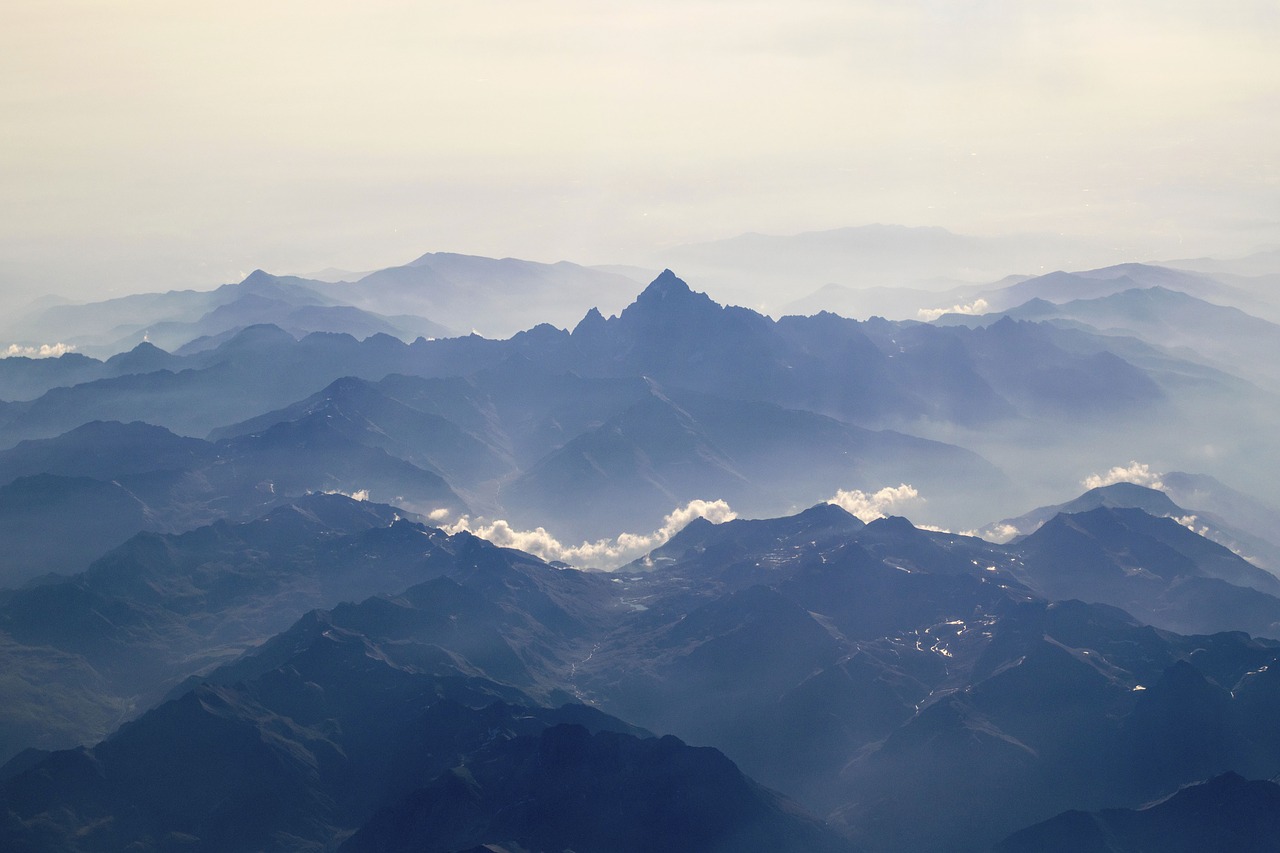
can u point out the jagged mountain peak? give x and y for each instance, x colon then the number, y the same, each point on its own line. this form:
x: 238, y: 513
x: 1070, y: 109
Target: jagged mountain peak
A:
x: 592, y: 321
x: 670, y: 290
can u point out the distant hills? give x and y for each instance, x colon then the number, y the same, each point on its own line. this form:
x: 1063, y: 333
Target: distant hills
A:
x: 437, y: 295
x: 1059, y: 286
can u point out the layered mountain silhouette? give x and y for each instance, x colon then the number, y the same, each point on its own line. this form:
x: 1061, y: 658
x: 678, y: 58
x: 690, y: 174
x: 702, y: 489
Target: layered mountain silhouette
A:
x: 402, y: 712
x: 1224, y: 337
x: 209, y: 642
x: 914, y: 687
x: 437, y: 295
x: 174, y: 319
x: 514, y: 404
x: 862, y: 373
x: 103, y: 482
x: 161, y: 607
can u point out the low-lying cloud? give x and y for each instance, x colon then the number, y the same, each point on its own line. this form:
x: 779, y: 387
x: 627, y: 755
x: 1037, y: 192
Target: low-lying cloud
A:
x: 999, y: 533
x: 603, y: 553
x: 868, y: 506
x: 357, y: 495
x: 625, y: 547
x: 1136, y: 472
x: 977, y: 306
x: 42, y: 351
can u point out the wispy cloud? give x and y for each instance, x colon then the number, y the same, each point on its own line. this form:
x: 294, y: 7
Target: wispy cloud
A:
x: 602, y: 553
x: 977, y: 306
x: 42, y: 351
x: 868, y: 506
x: 1136, y: 472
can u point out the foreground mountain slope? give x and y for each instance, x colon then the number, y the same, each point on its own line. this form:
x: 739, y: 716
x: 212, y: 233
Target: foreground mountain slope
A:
x: 344, y: 718
x: 571, y: 789
x: 1221, y: 815
x: 162, y: 607
x: 909, y: 684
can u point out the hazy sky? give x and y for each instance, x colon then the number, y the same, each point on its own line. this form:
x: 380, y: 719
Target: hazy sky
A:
x: 148, y: 145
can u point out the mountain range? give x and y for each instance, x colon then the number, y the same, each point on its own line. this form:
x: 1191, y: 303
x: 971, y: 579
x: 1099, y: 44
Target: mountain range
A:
x: 436, y: 295
x: 913, y: 687
x: 674, y: 363
x: 245, y: 608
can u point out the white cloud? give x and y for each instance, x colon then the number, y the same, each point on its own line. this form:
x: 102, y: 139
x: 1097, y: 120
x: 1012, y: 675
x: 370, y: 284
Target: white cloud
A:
x: 999, y: 533
x: 357, y: 495
x: 933, y: 528
x: 42, y: 351
x: 1190, y: 522
x: 869, y: 507
x: 603, y: 553
x: 978, y: 306
x: 1136, y: 472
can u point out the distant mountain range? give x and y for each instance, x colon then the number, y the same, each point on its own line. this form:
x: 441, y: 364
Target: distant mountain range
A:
x: 1010, y: 292
x: 673, y: 399
x: 436, y: 295
x: 1223, y: 337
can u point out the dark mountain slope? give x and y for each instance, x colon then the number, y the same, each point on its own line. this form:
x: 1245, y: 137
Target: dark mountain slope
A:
x: 1205, y: 506
x: 105, y: 450
x: 365, y: 413
x: 1153, y: 567
x: 908, y: 683
x: 60, y: 524
x: 160, y: 608
x: 113, y: 480
x: 570, y: 789
x: 350, y: 725
x: 1224, y: 814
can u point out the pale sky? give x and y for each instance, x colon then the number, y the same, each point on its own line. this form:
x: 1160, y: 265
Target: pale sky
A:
x: 151, y: 145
